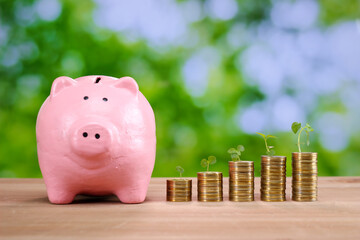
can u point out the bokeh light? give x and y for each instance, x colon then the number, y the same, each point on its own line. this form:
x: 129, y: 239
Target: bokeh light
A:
x: 215, y: 72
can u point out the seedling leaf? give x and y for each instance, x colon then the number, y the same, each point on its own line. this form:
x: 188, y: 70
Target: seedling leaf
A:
x: 179, y: 169
x: 212, y: 160
x: 232, y: 151
x: 295, y: 127
x: 236, y: 153
x: 266, y: 137
x: 234, y: 157
x: 270, y: 136
x: 240, y: 148
x: 271, y: 152
x: 263, y: 135
x: 309, y: 128
x: 203, y: 163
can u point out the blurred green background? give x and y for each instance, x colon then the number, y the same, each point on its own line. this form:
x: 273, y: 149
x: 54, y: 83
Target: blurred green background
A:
x: 215, y: 72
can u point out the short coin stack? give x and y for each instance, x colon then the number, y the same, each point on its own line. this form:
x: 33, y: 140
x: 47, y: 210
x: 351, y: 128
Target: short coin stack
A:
x: 178, y: 190
x: 210, y: 186
x: 241, y: 181
x: 273, y: 178
x: 305, y: 175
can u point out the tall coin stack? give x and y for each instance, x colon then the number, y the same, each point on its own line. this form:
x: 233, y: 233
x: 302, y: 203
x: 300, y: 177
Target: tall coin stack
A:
x: 178, y: 190
x: 210, y: 186
x: 305, y: 176
x: 241, y: 181
x: 273, y: 178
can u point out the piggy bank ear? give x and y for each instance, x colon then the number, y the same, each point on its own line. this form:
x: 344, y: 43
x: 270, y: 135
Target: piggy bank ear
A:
x: 60, y: 84
x: 127, y: 83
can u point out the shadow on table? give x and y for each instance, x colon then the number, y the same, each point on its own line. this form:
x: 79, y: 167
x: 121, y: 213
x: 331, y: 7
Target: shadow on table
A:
x: 85, y: 199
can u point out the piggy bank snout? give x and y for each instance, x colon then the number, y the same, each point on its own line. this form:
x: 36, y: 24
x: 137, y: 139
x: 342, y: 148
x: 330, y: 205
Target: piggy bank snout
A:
x: 91, y: 132
x: 91, y: 139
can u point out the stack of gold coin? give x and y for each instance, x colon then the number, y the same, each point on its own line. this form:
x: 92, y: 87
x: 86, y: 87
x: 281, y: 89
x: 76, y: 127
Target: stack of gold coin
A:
x: 273, y: 178
x: 305, y: 175
x: 210, y: 186
x: 178, y: 190
x: 241, y: 181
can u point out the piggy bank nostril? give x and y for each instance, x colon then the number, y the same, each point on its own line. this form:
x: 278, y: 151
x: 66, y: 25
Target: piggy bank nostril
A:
x: 97, y: 136
x: 85, y: 134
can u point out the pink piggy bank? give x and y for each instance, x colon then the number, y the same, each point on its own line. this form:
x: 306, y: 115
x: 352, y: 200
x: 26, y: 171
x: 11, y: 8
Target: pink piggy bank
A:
x: 96, y: 136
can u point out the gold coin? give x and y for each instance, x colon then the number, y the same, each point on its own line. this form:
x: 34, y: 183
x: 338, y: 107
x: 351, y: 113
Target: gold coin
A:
x: 209, y: 175
x: 247, y: 182
x: 178, y: 199
x: 241, y: 181
x: 210, y: 187
x: 299, y: 190
x: 241, y: 190
x: 210, y: 199
x: 299, y: 178
x: 179, y: 190
x: 282, y: 199
x: 305, y: 177
x: 304, y: 155
x: 242, y: 174
x: 273, y: 180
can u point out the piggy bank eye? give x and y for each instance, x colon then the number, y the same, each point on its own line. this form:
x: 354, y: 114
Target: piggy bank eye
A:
x: 86, y: 98
x: 105, y: 99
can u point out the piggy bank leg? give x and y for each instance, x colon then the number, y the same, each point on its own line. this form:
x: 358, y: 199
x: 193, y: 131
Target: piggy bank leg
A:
x: 132, y: 194
x: 58, y: 195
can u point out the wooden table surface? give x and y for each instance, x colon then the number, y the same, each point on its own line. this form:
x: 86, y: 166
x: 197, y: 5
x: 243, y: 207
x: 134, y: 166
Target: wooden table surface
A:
x: 25, y: 213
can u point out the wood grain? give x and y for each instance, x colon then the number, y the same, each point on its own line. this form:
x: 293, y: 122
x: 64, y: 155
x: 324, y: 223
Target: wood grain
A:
x: 25, y: 213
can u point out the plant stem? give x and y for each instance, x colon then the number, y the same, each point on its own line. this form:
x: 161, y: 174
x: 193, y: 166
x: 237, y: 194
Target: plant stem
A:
x: 266, y: 145
x: 208, y: 165
x: 180, y: 174
x: 299, y: 139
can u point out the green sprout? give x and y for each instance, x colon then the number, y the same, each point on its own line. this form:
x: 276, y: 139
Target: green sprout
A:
x: 236, y: 153
x: 180, y: 170
x: 207, y: 162
x: 296, y: 126
x: 269, y: 149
